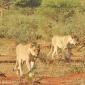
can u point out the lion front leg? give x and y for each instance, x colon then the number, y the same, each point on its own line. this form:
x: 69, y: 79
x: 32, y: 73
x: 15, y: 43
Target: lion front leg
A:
x: 19, y: 72
x: 32, y: 64
x: 55, y: 51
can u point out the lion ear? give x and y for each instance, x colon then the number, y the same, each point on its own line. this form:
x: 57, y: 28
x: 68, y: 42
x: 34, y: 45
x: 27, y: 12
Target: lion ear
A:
x: 31, y: 45
x: 73, y: 35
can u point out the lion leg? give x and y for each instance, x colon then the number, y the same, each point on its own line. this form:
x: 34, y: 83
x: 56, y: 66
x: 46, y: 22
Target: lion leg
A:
x: 50, y: 51
x: 20, y: 69
x: 54, y: 52
x: 32, y: 64
x: 28, y: 65
x: 16, y: 66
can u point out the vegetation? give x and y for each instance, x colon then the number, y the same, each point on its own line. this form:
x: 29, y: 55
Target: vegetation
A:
x: 41, y: 19
x: 31, y: 20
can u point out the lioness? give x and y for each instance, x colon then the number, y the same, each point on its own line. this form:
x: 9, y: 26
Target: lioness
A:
x: 61, y: 42
x: 25, y: 53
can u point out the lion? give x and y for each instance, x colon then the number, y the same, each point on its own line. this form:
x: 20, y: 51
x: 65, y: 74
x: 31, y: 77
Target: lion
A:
x: 60, y: 42
x: 25, y: 53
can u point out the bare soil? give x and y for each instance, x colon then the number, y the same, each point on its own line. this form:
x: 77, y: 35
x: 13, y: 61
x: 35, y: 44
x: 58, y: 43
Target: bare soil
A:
x: 46, y: 73
x: 71, y: 79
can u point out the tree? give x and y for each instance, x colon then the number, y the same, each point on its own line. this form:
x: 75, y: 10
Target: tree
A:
x: 28, y: 3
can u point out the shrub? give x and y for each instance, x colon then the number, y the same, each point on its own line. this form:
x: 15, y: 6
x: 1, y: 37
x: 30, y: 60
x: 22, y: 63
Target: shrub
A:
x: 53, y: 17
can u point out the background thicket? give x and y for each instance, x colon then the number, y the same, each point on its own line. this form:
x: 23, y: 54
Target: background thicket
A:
x: 26, y: 20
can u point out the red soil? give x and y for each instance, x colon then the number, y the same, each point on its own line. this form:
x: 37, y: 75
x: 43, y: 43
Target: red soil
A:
x: 66, y: 80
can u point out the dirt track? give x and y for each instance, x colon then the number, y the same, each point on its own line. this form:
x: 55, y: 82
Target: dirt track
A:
x: 59, y: 73
x: 71, y: 79
x: 10, y: 78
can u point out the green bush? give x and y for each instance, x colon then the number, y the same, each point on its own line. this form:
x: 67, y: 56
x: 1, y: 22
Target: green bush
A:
x: 61, y: 3
x: 53, y: 17
x: 28, y: 3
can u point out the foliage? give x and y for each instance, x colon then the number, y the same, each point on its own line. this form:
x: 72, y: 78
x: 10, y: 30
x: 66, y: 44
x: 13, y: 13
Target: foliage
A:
x: 41, y: 19
x: 28, y: 3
